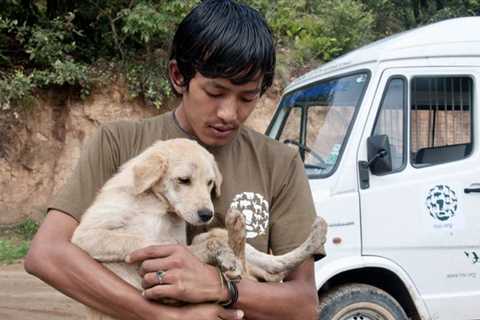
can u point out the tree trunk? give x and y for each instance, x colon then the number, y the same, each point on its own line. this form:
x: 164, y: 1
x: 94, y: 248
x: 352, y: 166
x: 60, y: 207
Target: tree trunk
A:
x: 416, y: 11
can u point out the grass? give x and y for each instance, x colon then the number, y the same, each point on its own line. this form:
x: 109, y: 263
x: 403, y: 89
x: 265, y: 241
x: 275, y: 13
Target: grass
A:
x: 12, y: 251
x: 15, y: 241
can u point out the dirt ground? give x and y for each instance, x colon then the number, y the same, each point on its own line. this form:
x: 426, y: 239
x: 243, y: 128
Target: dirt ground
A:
x: 24, y: 297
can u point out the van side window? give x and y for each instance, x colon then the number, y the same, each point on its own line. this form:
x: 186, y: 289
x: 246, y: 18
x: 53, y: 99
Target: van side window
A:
x: 391, y: 121
x: 441, y: 119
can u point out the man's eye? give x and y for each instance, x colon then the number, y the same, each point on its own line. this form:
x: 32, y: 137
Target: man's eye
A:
x: 249, y: 98
x: 185, y: 181
x: 213, y: 95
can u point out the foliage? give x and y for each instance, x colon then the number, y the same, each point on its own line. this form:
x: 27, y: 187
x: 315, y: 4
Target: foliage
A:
x: 145, y: 80
x: 344, y: 25
x: 45, y: 43
x: 47, y: 60
x: 15, y: 242
x: 318, y: 30
x: 27, y: 229
x: 15, y: 88
x: 10, y: 251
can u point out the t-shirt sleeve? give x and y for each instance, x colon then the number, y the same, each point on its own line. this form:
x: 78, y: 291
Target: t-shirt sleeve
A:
x: 292, y: 210
x: 98, y: 161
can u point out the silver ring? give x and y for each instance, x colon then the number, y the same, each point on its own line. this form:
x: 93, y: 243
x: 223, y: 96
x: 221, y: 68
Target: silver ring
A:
x: 160, y: 275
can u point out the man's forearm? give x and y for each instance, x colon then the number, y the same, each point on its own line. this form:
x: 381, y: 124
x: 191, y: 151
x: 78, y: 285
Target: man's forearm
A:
x: 293, y: 299
x: 70, y: 270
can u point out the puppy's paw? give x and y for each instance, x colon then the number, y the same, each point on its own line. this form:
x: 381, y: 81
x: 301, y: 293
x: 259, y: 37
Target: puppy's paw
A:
x: 235, y: 221
x: 315, y: 242
x: 233, y: 275
x: 230, y: 265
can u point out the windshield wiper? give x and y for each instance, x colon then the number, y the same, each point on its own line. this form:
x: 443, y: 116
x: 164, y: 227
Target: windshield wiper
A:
x: 314, y: 154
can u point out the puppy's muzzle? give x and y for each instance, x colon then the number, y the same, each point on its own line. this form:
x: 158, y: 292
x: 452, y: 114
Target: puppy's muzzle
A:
x: 205, y: 215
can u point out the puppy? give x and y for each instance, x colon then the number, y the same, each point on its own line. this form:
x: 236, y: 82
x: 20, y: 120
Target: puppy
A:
x: 150, y: 201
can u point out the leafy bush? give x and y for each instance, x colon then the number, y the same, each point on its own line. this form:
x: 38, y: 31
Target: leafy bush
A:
x: 47, y: 45
x: 15, y: 88
x: 318, y: 30
x: 15, y: 242
x: 59, y: 43
x: 11, y: 251
x: 50, y: 61
x: 146, y: 23
x: 146, y: 81
x: 27, y: 229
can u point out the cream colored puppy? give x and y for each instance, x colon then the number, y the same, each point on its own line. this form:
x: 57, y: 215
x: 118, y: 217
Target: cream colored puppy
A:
x: 150, y: 201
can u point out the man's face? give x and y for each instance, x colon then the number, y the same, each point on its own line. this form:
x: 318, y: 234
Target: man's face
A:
x: 212, y: 109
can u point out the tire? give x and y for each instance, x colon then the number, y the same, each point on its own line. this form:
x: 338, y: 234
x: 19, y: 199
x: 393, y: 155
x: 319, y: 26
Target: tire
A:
x: 359, y: 302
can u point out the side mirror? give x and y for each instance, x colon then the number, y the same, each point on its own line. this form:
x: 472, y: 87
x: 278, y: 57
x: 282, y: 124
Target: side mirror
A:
x: 379, y: 155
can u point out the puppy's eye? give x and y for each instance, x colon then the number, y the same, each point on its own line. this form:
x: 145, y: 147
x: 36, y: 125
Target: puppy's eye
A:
x: 210, y: 183
x: 185, y: 181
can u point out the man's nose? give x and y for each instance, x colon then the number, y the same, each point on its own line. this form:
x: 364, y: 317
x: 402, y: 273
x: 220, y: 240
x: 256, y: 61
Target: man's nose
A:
x: 228, y: 111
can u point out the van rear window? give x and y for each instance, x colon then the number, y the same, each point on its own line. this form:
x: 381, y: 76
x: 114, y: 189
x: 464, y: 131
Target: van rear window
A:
x: 441, y: 119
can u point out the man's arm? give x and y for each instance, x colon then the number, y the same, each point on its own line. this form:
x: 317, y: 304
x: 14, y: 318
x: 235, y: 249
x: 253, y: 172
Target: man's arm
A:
x: 58, y: 262
x: 55, y: 260
x: 294, y: 298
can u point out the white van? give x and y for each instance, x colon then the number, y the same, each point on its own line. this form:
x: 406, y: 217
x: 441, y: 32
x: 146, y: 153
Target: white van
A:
x: 390, y: 137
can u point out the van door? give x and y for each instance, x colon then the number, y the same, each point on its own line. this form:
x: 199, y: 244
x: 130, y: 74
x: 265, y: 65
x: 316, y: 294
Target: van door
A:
x: 424, y: 215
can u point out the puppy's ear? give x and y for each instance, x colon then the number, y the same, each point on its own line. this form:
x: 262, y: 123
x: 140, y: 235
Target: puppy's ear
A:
x: 218, y: 179
x: 148, y: 171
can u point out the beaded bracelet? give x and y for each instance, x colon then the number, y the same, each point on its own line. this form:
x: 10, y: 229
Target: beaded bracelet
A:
x: 222, y: 284
x: 232, y: 292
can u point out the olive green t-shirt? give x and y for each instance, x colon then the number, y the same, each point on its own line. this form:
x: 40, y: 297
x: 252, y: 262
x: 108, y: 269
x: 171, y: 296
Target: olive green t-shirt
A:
x: 262, y: 178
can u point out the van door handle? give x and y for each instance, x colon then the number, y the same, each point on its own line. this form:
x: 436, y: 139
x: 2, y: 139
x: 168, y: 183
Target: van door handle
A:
x: 474, y: 187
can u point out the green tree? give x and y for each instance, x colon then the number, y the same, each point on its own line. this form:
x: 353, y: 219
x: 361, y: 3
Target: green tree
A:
x: 69, y: 43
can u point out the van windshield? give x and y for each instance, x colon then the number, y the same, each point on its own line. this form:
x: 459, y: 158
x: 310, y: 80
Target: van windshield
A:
x: 316, y: 120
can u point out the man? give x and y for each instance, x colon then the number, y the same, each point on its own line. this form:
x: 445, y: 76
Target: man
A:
x: 222, y: 60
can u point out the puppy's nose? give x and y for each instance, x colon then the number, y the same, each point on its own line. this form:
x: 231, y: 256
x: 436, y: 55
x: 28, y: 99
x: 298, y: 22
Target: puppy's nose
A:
x: 205, y: 214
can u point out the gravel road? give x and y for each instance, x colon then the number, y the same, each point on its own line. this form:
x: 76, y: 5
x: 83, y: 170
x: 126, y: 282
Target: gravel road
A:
x: 24, y: 297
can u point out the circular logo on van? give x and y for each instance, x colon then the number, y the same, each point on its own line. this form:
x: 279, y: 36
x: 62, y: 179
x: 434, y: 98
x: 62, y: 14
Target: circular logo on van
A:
x: 442, y: 202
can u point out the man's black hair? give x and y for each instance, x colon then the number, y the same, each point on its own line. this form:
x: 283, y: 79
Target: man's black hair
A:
x: 224, y: 39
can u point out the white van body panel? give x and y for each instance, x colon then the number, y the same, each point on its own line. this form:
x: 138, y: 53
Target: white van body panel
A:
x: 360, y: 234
x: 448, y: 287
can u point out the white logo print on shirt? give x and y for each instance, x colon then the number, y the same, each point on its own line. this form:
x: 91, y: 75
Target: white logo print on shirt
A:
x: 255, y: 209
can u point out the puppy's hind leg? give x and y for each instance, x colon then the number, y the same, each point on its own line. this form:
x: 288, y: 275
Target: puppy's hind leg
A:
x: 314, y: 245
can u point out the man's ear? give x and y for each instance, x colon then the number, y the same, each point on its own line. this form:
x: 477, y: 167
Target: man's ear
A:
x: 176, y: 78
x: 148, y: 171
x: 218, y: 180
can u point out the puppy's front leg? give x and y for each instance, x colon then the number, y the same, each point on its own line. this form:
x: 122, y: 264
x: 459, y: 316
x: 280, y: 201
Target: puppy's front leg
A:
x: 212, y: 248
x: 237, y: 237
x: 108, y: 245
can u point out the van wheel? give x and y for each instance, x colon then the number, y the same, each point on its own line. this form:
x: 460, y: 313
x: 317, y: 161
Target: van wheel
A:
x: 359, y: 302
